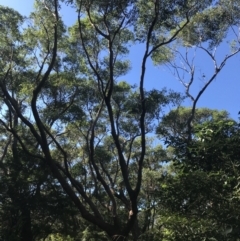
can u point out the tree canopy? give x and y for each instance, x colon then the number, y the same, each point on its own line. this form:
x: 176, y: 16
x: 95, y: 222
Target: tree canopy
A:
x: 81, y: 146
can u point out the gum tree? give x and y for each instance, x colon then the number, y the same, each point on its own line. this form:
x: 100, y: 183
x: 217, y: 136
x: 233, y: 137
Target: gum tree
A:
x: 63, y: 87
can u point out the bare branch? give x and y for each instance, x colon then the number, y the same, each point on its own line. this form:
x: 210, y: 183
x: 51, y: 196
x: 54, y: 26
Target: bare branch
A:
x: 216, y: 72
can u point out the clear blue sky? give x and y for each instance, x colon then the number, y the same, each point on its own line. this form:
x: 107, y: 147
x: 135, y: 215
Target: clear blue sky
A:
x: 223, y: 94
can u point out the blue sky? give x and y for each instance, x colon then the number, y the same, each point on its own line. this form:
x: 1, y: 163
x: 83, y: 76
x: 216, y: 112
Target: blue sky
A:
x: 222, y: 94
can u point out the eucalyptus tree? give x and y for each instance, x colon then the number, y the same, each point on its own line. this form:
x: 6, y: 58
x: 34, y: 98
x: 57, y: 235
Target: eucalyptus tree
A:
x: 63, y: 87
x: 173, y: 125
x: 28, y: 191
x: 31, y: 200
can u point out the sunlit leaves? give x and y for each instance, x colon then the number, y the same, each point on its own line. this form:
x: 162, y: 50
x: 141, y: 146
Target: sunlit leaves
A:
x: 210, y: 26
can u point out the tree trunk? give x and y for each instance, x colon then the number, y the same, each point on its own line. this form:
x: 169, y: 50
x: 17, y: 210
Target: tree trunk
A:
x: 26, y: 230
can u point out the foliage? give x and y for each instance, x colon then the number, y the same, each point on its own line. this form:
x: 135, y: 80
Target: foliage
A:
x: 174, y: 124
x: 78, y: 142
x: 200, y: 199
